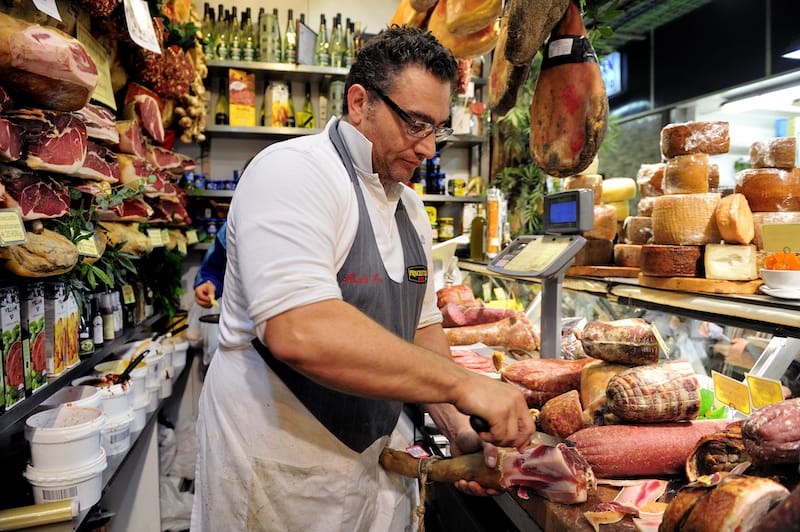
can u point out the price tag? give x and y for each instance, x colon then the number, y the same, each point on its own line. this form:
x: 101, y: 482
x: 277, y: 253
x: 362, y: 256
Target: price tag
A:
x: 182, y: 247
x: 155, y: 237
x: 140, y: 25
x: 48, y: 7
x: 103, y: 91
x: 12, y: 230
x: 764, y: 391
x: 731, y: 392
x: 165, y: 236
x: 779, y: 236
x: 191, y: 236
x: 88, y: 246
x: 417, y: 451
x: 128, y: 295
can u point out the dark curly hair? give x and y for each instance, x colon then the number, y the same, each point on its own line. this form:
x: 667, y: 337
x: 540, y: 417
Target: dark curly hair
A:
x: 392, y: 50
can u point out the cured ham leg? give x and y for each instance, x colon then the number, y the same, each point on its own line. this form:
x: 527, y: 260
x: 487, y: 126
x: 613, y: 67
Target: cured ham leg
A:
x: 515, y: 332
x: 569, y: 111
x: 558, y: 473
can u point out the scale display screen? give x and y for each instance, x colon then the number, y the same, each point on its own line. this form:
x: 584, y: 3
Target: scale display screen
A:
x: 537, y: 256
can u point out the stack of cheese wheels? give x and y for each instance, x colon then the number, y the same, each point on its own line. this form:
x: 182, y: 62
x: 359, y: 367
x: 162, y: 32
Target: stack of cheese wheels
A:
x: 772, y: 185
x: 638, y: 230
x: 684, y: 216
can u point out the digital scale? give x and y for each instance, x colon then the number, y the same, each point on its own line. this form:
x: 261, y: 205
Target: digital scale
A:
x: 567, y: 215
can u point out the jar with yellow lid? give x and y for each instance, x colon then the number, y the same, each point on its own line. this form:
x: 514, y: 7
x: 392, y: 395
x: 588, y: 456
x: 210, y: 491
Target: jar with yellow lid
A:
x: 446, y: 228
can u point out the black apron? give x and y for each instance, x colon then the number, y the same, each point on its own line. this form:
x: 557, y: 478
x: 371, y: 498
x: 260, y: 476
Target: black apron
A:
x: 358, y: 421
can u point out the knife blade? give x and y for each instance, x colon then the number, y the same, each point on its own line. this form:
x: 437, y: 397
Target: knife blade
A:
x: 479, y: 424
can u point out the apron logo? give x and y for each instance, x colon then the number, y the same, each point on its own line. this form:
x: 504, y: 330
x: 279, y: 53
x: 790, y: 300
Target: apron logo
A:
x: 417, y: 274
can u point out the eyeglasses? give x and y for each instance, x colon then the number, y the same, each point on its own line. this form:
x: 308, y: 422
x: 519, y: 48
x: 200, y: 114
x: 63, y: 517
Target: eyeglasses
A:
x: 415, y: 128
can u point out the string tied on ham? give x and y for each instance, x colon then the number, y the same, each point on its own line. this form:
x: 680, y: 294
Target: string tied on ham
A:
x: 425, y: 466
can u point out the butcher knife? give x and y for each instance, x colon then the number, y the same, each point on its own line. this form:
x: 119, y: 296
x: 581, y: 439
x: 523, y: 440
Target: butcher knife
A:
x: 479, y: 424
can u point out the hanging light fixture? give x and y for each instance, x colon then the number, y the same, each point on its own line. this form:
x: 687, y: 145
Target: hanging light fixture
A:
x: 793, y: 50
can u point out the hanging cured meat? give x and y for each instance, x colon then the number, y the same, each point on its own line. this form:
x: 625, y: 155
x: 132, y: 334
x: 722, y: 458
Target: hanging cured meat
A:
x: 505, y: 78
x: 468, y: 16
x: 529, y: 24
x: 569, y: 111
x: 44, y: 67
x: 467, y: 46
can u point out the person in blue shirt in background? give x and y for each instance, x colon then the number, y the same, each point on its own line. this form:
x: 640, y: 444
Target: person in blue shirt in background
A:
x: 209, y: 280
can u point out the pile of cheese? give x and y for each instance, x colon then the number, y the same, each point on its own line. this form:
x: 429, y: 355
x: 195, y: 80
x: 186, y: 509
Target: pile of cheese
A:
x: 612, y: 198
x: 685, y: 228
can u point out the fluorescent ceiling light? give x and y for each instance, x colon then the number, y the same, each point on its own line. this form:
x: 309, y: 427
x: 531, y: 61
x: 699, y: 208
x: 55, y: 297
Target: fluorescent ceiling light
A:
x: 781, y: 100
x: 793, y: 51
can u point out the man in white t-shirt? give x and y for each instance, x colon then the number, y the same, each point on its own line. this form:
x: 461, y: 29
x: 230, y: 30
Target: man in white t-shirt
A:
x: 329, y: 321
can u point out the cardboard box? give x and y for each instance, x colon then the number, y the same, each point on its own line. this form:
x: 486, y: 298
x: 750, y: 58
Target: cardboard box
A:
x: 56, y: 315
x: 277, y: 98
x: 34, y: 343
x: 11, y: 338
x: 242, y: 98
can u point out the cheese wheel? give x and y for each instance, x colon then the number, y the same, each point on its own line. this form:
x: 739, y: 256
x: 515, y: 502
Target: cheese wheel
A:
x: 686, y: 219
x: 730, y: 262
x: 761, y: 219
x: 735, y: 220
x: 774, y: 153
x: 770, y: 189
x: 590, y: 181
x: 618, y: 189
x: 627, y: 255
x: 622, y: 209
x: 649, y: 179
x: 686, y: 174
x: 670, y: 261
x: 645, y: 206
x: 637, y: 229
x: 605, y: 223
x: 595, y: 253
x: 710, y: 137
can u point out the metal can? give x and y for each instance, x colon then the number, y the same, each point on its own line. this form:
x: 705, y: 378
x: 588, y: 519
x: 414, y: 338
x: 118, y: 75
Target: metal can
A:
x: 446, y: 228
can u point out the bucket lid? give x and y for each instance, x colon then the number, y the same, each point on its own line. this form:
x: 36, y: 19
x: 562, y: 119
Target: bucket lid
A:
x: 73, y: 394
x: 45, y: 477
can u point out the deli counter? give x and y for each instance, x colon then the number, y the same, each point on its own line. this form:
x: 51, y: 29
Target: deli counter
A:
x: 730, y: 334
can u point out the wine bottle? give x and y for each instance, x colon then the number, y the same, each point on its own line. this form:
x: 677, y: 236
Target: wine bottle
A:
x: 290, y: 41
x: 477, y: 238
x: 305, y: 118
x: 236, y: 35
x: 248, y: 38
x: 221, y: 116
x: 337, y: 42
x: 322, y: 55
x: 349, y: 51
x: 262, y: 14
x: 276, y: 51
x: 207, y: 31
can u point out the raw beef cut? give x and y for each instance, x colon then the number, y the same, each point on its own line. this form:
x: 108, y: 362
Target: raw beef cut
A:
x: 44, y: 66
x: 54, y: 141
x: 130, y: 138
x: 35, y: 194
x: 100, y: 164
x: 101, y: 124
x: 162, y: 158
x: 147, y: 111
x: 11, y: 141
x: 169, y: 212
x: 135, y: 172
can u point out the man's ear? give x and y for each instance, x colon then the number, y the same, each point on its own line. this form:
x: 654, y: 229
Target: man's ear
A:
x: 356, y: 103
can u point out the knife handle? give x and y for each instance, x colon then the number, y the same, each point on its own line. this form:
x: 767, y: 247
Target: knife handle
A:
x: 479, y: 424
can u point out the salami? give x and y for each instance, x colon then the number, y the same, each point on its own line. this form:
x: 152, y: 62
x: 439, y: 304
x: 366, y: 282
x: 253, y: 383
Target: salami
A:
x: 772, y: 434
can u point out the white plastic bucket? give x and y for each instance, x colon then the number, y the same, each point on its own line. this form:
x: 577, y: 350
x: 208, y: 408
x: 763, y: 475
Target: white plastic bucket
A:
x: 166, y: 348
x: 116, y: 399
x: 64, y: 437
x: 74, y: 395
x: 153, y: 360
x: 83, y: 483
x: 139, y: 415
x: 152, y: 398
x: 138, y: 375
x: 116, y: 436
x: 180, y: 347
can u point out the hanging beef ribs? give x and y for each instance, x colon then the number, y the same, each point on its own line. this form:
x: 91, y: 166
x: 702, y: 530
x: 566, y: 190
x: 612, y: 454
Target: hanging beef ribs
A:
x: 44, y: 67
x: 35, y: 194
x: 54, y: 141
x: 101, y: 164
x: 569, y: 111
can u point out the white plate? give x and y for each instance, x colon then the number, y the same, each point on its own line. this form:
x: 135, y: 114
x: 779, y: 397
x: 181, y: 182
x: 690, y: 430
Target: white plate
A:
x: 783, y: 293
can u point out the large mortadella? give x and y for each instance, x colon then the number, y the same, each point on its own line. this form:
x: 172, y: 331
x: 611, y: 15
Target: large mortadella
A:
x: 569, y: 111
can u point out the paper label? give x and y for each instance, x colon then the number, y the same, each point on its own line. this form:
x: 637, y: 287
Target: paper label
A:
x: 182, y: 247
x: 88, y: 246
x: 777, y: 237
x: 731, y: 392
x: 559, y: 47
x: 12, y: 230
x: 103, y: 91
x: 764, y: 391
x: 48, y: 7
x: 155, y: 236
x: 128, y: 295
x: 140, y: 25
x: 191, y: 236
